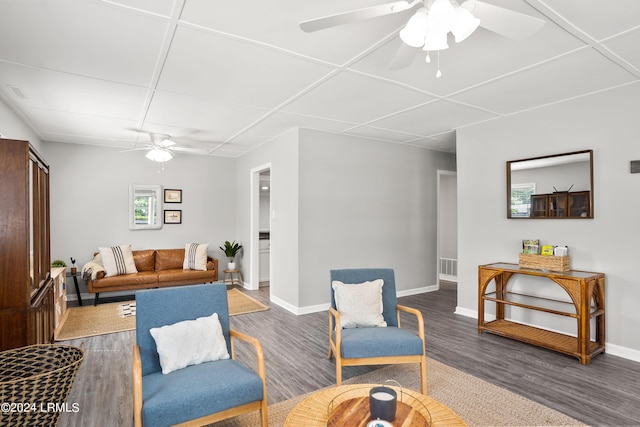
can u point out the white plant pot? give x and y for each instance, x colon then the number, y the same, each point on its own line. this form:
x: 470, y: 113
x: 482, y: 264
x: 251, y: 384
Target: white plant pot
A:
x: 231, y: 266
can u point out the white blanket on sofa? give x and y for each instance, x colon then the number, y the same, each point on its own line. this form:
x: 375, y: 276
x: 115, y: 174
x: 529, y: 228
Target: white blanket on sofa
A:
x: 93, y: 267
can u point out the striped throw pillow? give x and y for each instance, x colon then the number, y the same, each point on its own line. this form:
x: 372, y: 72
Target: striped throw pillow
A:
x: 117, y: 260
x: 195, y: 256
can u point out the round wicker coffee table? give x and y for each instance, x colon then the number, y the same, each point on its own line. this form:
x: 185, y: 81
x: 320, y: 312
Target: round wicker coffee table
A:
x: 316, y: 410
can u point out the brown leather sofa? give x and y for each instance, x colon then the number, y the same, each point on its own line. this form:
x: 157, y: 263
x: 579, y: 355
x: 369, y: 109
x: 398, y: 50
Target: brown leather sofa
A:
x: 156, y: 268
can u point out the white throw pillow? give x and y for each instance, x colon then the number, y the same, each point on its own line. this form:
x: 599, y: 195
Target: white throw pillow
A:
x: 117, y: 260
x: 195, y: 256
x: 359, y: 305
x: 190, y: 342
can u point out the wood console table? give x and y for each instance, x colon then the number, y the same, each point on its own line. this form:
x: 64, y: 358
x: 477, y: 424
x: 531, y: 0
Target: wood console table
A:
x: 585, y: 289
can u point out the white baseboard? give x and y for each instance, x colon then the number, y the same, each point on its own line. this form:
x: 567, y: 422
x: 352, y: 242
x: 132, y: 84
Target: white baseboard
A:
x: 612, y: 349
x: 298, y: 310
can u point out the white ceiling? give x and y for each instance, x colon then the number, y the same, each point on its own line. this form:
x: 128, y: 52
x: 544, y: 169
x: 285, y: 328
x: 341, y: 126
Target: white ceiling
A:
x: 227, y: 76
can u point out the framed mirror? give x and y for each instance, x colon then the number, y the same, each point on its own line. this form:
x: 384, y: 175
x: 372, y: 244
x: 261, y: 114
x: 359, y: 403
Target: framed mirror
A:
x: 145, y: 207
x: 558, y: 186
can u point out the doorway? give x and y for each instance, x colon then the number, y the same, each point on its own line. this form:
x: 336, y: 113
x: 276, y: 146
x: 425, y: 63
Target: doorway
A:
x: 260, y: 230
x: 447, y: 239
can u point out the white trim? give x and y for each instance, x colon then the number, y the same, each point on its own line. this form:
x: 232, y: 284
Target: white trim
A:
x: 612, y: 349
x: 416, y: 291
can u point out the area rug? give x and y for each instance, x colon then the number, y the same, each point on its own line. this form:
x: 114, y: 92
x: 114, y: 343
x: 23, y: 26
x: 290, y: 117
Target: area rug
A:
x: 89, y: 321
x: 477, y: 402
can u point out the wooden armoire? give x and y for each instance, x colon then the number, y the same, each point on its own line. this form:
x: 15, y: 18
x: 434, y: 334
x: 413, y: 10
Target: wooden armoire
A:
x: 26, y: 289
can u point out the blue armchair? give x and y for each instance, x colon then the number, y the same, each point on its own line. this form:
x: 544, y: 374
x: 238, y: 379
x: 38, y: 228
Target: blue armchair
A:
x: 199, y: 394
x: 375, y: 345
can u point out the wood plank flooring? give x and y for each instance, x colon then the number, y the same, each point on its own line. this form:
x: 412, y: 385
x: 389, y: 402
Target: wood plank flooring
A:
x: 605, y: 393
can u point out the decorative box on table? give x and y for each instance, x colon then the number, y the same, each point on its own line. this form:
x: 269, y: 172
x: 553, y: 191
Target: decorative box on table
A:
x: 545, y: 262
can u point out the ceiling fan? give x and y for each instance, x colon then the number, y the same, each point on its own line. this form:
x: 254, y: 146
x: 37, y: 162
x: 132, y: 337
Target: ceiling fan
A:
x: 434, y: 19
x: 162, y: 147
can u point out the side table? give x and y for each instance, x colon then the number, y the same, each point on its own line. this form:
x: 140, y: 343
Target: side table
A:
x: 75, y: 282
x: 231, y: 279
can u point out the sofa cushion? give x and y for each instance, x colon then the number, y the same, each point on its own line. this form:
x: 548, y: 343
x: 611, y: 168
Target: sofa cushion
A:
x: 185, y: 276
x: 145, y: 260
x: 125, y: 280
x: 169, y: 259
x: 117, y: 260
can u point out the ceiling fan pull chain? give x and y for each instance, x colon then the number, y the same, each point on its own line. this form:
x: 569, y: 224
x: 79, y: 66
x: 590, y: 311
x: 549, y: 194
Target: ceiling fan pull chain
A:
x: 438, y: 73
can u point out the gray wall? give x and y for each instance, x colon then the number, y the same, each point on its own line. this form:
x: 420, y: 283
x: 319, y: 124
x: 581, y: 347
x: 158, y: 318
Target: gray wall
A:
x: 606, y: 122
x: 89, y: 200
x: 13, y: 127
x: 281, y: 154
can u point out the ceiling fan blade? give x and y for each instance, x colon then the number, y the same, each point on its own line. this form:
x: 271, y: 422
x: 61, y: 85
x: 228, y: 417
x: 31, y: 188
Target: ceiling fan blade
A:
x: 136, y: 149
x: 189, y: 150
x: 355, y: 15
x: 403, y: 58
x: 506, y: 22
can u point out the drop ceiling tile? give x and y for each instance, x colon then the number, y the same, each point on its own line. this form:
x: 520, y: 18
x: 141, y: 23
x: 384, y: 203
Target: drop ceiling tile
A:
x: 380, y: 134
x: 581, y: 72
x: 78, y: 125
x: 433, y: 119
x: 82, y: 37
x: 229, y: 70
x: 444, y: 142
x: 219, y: 121
x: 279, y: 123
x: 276, y: 22
x: 626, y: 47
x: 355, y: 97
x: 160, y: 7
x: 597, y: 18
x: 71, y: 93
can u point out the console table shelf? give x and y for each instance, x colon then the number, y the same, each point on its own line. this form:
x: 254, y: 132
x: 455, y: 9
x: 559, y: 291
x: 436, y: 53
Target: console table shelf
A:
x: 586, y: 293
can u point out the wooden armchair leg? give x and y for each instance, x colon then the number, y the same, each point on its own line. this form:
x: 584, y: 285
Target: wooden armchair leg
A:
x: 264, y: 416
x: 423, y: 375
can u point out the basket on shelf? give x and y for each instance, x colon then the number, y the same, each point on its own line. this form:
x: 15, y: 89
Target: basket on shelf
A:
x: 35, y: 382
x: 545, y: 262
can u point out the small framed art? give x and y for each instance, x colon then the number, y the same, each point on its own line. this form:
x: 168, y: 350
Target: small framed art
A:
x: 172, y: 216
x: 172, y: 196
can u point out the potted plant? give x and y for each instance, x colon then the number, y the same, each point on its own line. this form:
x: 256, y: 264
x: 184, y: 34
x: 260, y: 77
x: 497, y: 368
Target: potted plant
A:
x: 231, y: 249
x: 58, y: 263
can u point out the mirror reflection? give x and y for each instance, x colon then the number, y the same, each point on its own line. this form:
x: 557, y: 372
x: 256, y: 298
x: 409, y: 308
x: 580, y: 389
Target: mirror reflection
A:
x: 556, y: 186
x: 145, y: 206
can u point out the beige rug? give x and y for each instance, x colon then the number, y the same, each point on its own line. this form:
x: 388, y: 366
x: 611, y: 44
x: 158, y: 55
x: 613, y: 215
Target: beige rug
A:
x: 479, y: 403
x: 89, y: 321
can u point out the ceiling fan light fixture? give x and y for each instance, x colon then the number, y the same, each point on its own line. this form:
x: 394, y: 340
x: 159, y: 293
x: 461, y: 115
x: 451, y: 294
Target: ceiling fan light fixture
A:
x: 436, y: 40
x: 158, y: 154
x: 414, y: 32
x: 441, y: 16
x: 464, y: 25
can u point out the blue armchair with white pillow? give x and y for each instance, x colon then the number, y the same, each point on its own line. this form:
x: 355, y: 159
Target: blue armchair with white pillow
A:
x: 184, y: 366
x: 364, y: 322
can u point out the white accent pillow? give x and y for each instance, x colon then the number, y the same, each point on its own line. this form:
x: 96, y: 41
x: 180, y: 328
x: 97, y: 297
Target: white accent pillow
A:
x: 190, y: 342
x: 195, y: 256
x: 359, y: 305
x: 117, y: 260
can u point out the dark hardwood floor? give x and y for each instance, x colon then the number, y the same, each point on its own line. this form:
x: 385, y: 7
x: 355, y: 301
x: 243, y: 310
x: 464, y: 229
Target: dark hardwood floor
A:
x: 604, y: 393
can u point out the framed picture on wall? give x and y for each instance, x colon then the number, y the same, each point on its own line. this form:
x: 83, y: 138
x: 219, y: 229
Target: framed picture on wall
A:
x: 172, y: 196
x: 172, y: 216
